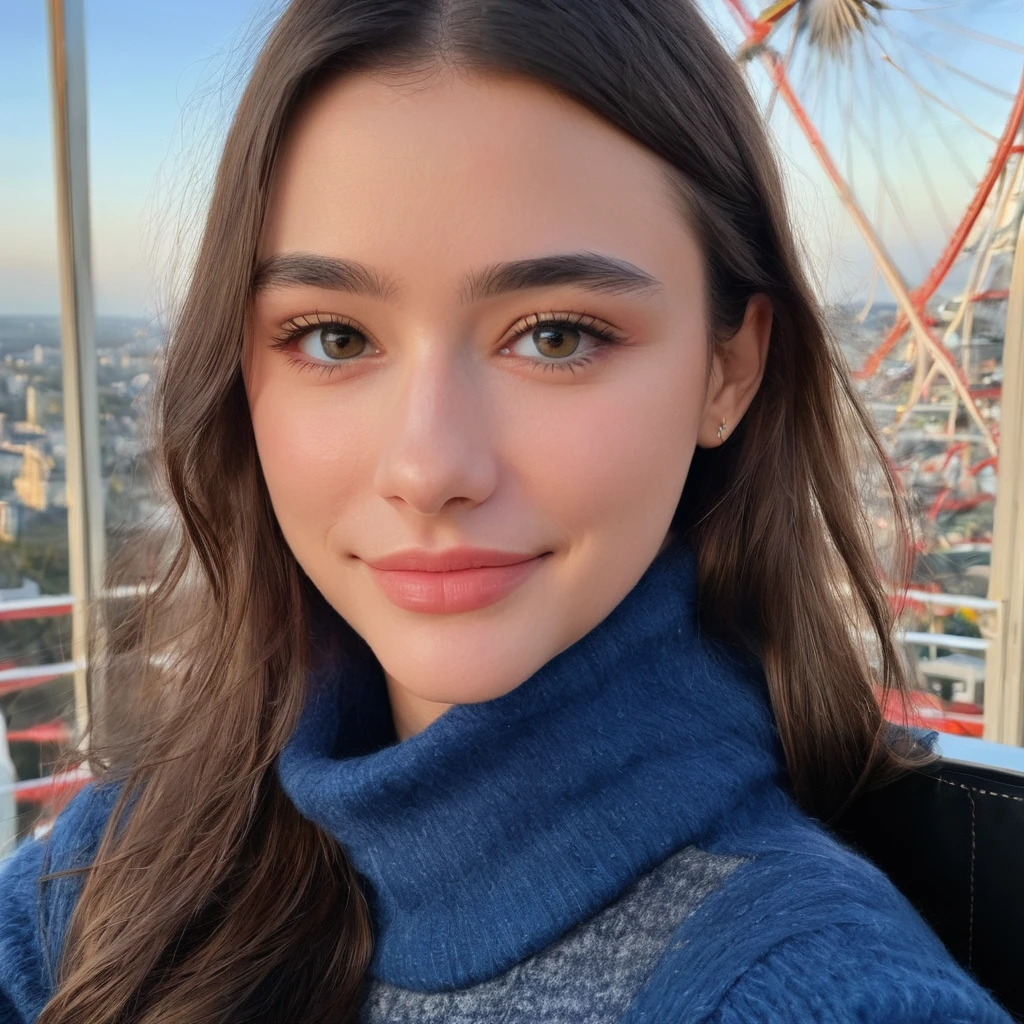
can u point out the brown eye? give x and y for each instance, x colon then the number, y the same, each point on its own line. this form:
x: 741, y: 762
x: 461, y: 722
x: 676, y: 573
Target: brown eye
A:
x: 335, y: 341
x: 563, y: 341
x: 556, y: 340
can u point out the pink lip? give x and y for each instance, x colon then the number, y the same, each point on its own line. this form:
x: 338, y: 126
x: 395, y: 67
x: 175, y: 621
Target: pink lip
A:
x: 456, y: 580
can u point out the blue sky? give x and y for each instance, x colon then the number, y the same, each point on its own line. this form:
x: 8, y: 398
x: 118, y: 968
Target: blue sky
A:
x: 146, y: 59
x: 157, y: 101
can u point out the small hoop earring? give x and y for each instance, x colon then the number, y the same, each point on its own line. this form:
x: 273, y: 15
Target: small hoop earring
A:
x: 721, y: 431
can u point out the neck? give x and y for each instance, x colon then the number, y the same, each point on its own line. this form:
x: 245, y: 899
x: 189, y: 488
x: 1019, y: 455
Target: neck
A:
x: 411, y: 714
x: 537, y: 807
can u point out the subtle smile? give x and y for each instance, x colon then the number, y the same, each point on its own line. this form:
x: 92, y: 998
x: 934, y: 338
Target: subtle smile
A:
x: 447, y: 582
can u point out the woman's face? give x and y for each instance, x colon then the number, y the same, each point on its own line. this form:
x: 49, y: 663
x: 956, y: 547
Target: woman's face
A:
x: 477, y: 369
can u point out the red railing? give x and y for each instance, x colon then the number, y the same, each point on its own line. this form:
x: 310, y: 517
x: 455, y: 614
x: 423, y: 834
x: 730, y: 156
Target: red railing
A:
x: 52, y: 791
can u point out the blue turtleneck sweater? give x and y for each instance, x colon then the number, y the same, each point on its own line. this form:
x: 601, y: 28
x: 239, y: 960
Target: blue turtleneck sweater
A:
x: 611, y: 841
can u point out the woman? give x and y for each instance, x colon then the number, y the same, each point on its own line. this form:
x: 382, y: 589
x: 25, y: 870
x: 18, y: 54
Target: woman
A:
x: 511, y: 661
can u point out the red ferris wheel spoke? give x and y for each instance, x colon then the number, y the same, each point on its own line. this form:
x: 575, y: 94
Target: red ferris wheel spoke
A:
x: 956, y: 242
x: 910, y: 308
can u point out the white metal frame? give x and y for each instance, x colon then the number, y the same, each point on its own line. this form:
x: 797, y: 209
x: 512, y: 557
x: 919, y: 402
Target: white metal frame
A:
x: 1004, y: 685
x: 86, y: 536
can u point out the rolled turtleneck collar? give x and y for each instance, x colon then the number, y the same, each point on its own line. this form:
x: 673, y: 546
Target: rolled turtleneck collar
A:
x: 504, y: 823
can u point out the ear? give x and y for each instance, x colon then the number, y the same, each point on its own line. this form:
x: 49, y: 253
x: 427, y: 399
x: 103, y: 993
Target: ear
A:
x: 737, y: 366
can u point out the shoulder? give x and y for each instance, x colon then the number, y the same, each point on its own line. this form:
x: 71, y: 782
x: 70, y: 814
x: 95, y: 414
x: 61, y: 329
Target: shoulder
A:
x: 806, y: 929
x: 846, y: 973
x: 34, y: 917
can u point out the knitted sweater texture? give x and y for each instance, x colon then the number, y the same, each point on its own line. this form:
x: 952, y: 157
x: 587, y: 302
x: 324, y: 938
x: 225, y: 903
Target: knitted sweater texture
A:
x: 611, y: 841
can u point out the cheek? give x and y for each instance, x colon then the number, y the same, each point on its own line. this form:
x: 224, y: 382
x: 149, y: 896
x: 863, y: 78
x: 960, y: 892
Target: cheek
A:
x: 313, y: 454
x: 613, y: 456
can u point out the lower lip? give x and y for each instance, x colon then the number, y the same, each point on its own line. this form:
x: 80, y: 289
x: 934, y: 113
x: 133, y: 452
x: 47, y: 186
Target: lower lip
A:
x: 445, y: 593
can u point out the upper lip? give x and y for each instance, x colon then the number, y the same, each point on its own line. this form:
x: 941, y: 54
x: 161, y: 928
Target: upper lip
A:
x: 449, y: 560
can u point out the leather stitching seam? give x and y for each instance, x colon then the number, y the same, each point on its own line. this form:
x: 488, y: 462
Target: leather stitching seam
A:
x: 983, y: 792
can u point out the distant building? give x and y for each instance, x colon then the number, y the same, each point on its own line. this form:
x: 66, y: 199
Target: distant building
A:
x: 25, y: 433
x: 32, y: 483
x: 29, y: 429
x: 9, y: 521
x: 38, y: 355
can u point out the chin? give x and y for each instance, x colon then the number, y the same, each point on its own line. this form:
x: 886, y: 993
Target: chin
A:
x: 447, y: 687
x: 463, y: 666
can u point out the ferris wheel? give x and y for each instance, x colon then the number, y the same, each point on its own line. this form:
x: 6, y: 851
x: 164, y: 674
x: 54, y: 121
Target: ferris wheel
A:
x: 913, y: 109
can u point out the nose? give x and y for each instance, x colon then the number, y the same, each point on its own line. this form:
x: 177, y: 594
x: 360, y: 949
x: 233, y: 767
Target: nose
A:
x: 436, y: 451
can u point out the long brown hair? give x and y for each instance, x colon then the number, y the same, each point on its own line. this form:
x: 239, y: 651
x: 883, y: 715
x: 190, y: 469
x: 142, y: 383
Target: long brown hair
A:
x: 212, y: 900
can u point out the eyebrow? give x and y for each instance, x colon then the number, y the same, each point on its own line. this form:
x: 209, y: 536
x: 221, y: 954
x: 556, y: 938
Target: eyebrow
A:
x: 591, y: 270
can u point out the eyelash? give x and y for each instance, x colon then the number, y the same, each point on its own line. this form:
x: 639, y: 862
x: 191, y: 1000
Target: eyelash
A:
x: 603, y: 335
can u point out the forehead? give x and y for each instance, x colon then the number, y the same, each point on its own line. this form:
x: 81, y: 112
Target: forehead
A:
x: 448, y: 170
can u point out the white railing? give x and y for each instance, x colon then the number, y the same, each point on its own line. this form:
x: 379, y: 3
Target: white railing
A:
x: 30, y: 673
x: 36, y: 607
x: 61, y: 604
x: 31, y: 790
x: 978, y: 604
x: 956, y: 643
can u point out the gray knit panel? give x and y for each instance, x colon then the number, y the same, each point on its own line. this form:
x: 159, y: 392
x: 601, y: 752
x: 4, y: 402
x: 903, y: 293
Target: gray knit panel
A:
x: 589, y: 976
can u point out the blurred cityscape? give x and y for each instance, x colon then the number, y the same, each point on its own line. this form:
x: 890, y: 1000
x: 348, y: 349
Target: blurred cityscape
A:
x: 33, y: 509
